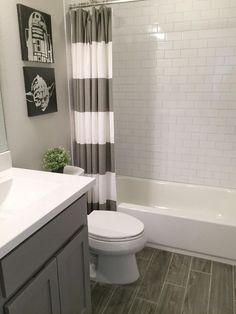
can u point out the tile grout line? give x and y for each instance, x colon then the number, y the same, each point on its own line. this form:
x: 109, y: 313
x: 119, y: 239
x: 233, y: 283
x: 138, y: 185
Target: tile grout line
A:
x: 183, y: 286
x: 186, y: 286
x: 143, y: 299
x: 138, y: 288
x: 164, y: 281
x: 174, y: 284
x: 201, y: 272
x: 209, y: 291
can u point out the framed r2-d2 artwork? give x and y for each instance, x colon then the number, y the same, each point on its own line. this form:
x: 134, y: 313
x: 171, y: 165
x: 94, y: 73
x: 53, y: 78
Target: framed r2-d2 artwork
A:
x: 35, y: 35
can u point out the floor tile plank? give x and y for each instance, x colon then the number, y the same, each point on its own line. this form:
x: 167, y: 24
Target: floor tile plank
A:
x: 221, y: 298
x: 197, y: 294
x: 142, y: 266
x: 141, y: 306
x: 200, y: 264
x: 160, y: 288
x: 146, y: 253
x: 121, y: 300
x: 179, y: 269
x: 101, y: 294
x: 154, y: 277
x: 171, y: 300
x: 92, y: 284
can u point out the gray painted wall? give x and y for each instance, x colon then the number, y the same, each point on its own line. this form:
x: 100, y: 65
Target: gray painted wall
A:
x: 28, y: 138
x: 3, y: 139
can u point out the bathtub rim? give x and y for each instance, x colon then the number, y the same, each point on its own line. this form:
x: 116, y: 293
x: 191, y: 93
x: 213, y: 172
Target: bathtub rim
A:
x: 227, y: 223
x: 133, y: 206
x: 176, y: 183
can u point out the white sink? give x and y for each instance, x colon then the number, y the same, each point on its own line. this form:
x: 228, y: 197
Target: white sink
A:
x: 17, y: 194
x: 30, y: 199
x: 3, y: 217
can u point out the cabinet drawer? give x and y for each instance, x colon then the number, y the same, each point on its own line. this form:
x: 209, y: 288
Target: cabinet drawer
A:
x: 25, y: 260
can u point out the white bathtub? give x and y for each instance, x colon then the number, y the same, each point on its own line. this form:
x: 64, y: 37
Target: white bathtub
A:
x: 182, y: 217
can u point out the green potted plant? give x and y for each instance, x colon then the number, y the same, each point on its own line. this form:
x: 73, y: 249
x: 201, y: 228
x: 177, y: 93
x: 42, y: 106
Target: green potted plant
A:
x: 55, y: 159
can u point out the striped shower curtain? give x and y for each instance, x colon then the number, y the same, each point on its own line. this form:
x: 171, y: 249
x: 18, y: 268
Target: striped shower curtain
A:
x: 92, y: 98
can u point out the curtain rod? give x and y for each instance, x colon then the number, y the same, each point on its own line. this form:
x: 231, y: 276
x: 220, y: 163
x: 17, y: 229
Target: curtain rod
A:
x: 94, y: 3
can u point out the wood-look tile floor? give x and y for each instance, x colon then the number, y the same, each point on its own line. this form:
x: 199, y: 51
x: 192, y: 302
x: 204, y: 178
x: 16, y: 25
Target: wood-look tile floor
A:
x: 170, y: 284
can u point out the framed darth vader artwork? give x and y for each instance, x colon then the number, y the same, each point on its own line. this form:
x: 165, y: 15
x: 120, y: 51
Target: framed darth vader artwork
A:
x: 35, y: 35
x: 40, y: 90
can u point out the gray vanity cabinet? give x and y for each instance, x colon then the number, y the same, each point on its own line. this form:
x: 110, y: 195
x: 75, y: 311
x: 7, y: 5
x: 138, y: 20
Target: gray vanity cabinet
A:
x: 41, y: 295
x: 72, y: 263
x: 49, y: 272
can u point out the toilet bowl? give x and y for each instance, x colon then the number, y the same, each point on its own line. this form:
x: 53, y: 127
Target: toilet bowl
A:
x: 114, y: 238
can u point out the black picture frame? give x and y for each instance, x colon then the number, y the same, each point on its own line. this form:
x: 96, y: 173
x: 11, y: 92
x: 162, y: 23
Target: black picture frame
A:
x: 35, y: 35
x: 40, y: 90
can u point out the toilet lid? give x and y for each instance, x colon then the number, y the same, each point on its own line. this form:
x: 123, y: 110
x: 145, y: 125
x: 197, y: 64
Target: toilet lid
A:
x: 113, y: 225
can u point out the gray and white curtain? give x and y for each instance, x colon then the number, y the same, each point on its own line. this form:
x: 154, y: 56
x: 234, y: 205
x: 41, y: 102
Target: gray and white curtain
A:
x: 93, y: 111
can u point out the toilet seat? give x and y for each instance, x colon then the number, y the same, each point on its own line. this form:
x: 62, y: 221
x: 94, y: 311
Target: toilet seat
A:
x: 117, y: 247
x: 115, y: 233
x: 105, y: 239
x: 113, y: 226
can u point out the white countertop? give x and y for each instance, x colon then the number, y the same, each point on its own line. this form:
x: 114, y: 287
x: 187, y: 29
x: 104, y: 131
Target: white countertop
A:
x: 29, y: 199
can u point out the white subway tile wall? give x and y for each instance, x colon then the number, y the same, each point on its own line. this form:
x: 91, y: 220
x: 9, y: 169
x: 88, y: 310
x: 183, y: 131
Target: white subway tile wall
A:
x: 175, y: 90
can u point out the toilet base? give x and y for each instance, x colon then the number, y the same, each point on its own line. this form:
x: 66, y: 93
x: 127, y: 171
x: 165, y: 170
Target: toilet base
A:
x: 113, y: 269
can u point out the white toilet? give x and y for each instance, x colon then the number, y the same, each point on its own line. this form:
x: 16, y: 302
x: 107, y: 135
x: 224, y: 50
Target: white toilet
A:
x: 114, y: 238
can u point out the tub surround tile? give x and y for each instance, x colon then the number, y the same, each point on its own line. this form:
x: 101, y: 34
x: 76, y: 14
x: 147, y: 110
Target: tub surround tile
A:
x: 221, y: 298
x: 179, y: 270
x: 197, y: 293
x: 171, y: 299
x: 200, y: 264
x: 154, y: 277
x: 141, y: 306
x: 174, y: 95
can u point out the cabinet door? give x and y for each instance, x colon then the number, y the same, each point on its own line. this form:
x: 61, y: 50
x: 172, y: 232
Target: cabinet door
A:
x: 73, y: 274
x: 40, y: 296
